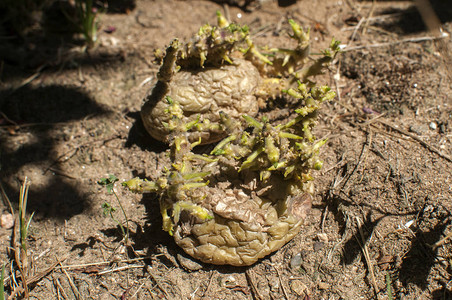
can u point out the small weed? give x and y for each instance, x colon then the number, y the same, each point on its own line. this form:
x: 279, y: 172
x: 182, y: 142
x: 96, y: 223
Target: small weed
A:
x: 23, y: 222
x: 108, y: 209
x: 87, y: 14
x: 388, y: 286
x: 21, y: 247
x: 24, y: 225
x: 85, y: 20
x: 2, y: 285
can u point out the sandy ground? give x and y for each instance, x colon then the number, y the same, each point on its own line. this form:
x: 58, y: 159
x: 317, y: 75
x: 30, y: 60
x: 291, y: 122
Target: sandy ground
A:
x: 383, y: 202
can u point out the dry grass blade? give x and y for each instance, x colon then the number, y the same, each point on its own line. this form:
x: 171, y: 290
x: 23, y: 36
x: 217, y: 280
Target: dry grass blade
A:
x: 21, y: 225
x: 408, y: 40
x: 158, y: 283
x: 140, y: 287
x: 371, y: 12
x: 6, y: 199
x: 118, y: 269
x: 73, y: 287
x: 79, y: 266
x: 423, y: 143
x: 367, y: 256
x: 36, y: 278
x: 433, y: 24
x: 254, y: 290
x: 60, y: 288
x: 281, y: 283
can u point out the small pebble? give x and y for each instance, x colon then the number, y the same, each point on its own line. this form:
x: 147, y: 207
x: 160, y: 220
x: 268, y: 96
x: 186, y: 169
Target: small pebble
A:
x: 432, y: 125
x: 295, y: 261
x: 7, y: 221
x: 298, y: 287
x: 323, y: 237
x: 227, y: 281
x: 419, y: 129
x: 318, y: 246
x: 323, y: 286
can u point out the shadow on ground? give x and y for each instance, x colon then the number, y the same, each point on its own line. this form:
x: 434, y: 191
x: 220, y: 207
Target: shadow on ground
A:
x: 151, y: 236
x: 409, y: 21
x: 28, y: 117
x: 45, y: 35
x: 419, y: 260
x: 140, y: 137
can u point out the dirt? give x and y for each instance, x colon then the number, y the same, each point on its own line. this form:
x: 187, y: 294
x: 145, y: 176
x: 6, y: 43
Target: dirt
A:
x: 383, y: 202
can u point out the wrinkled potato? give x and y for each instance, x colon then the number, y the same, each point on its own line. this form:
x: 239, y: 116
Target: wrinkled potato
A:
x: 245, y: 227
x: 221, y: 70
x: 250, y: 195
x: 203, y: 94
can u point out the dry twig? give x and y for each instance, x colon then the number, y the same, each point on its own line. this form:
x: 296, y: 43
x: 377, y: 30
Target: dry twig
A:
x: 408, y: 40
x: 414, y: 137
x: 254, y: 290
x: 442, y: 241
x: 73, y: 287
x: 158, y: 283
x: 281, y: 283
x: 208, y: 286
x: 367, y: 256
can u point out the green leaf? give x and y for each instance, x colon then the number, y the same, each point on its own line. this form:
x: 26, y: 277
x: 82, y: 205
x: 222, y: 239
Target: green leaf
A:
x: 108, y: 182
x: 107, y: 208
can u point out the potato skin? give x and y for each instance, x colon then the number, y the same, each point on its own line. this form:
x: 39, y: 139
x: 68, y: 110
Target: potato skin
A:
x: 204, y: 94
x: 243, y: 229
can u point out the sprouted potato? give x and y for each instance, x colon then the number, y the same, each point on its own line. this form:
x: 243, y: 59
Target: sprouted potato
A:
x: 249, y: 195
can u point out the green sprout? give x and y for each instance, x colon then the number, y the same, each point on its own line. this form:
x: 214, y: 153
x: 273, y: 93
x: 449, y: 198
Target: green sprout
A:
x: 21, y: 252
x: 180, y: 180
x: 85, y: 20
x: 108, y: 209
x: 24, y: 223
x: 289, y: 148
x: 87, y: 14
x: 212, y: 45
x: 174, y: 184
x: 388, y: 286
x: 2, y: 284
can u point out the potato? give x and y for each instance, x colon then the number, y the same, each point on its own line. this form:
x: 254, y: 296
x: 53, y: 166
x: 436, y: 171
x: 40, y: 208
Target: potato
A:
x: 251, y: 194
x: 203, y: 94
x: 245, y: 227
